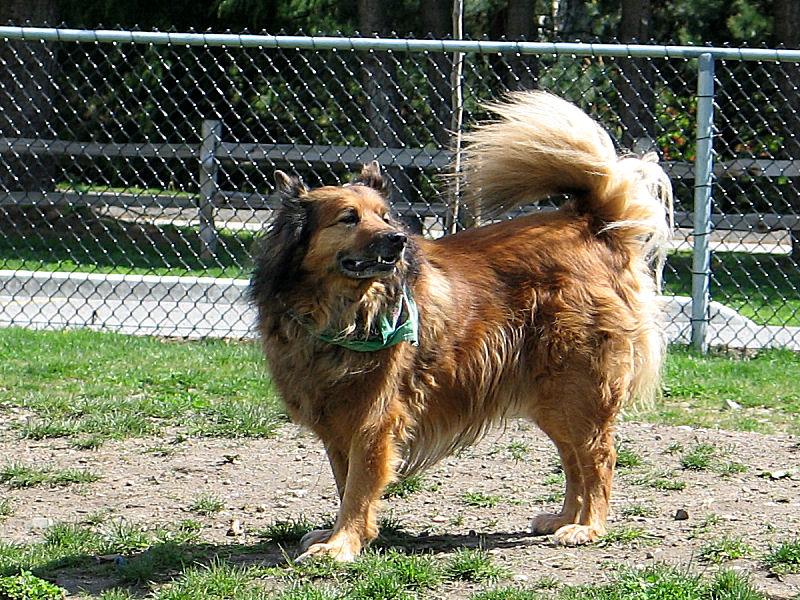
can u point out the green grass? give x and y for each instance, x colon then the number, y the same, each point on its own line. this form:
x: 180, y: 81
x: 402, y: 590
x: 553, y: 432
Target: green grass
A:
x: 724, y: 549
x: 26, y: 586
x: 479, y: 499
x: 626, y: 536
x: 206, y: 504
x: 91, y: 386
x: 286, y: 532
x: 627, y: 458
x: 762, y: 287
x: 18, y: 475
x: 784, y: 558
x: 172, y: 563
x: 696, y: 387
x: 700, y: 458
x: 404, y: 488
x: 81, y: 241
x: 667, y: 582
x: 474, y: 565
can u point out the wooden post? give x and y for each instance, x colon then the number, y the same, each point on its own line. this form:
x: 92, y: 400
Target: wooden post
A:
x: 209, y: 166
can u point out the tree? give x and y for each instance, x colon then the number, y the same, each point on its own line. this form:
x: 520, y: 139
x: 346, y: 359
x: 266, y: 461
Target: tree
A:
x: 381, y: 95
x: 637, y: 96
x: 786, y: 32
x: 437, y: 21
x: 26, y: 94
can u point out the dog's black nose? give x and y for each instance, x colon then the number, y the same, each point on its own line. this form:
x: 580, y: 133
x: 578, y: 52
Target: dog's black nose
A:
x: 397, y: 239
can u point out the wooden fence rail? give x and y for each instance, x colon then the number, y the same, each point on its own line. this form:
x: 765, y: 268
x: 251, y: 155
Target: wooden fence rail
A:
x: 213, y: 151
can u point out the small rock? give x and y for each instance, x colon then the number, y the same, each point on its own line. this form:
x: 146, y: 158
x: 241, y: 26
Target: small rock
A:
x: 40, y: 523
x: 520, y: 577
x: 235, y: 528
x: 681, y: 515
x: 731, y: 405
x: 439, y: 519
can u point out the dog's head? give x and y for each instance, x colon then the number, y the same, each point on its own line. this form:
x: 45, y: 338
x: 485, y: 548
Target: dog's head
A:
x: 343, y: 233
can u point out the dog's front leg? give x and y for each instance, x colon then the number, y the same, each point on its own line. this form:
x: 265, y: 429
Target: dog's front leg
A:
x: 370, y: 468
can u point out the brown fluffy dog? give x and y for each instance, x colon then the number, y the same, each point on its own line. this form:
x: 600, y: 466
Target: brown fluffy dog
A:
x: 552, y: 317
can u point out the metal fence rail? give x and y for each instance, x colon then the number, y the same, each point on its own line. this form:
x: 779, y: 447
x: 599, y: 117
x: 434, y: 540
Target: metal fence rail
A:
x: 136, y: 167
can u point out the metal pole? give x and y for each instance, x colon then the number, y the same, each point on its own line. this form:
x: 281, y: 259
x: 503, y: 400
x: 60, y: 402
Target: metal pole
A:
x: 704, y: 173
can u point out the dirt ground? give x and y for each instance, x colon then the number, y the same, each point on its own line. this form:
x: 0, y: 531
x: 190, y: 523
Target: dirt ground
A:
x: 262, y: 481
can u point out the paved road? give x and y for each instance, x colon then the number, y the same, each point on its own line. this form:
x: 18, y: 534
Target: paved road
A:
x: 195, y: 307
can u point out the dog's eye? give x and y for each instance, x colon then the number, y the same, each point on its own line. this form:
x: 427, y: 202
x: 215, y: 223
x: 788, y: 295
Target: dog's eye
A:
x: 349, y: 218
x: 387, y: 219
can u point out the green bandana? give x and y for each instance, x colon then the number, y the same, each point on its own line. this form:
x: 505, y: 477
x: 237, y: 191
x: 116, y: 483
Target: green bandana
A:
x: 399, y: 325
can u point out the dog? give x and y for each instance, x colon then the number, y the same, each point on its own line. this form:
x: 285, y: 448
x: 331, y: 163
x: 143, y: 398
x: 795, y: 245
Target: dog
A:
x: 396, y: 350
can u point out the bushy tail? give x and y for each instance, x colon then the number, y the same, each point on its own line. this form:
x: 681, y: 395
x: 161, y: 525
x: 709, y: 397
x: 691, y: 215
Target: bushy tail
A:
x: 542, y: 145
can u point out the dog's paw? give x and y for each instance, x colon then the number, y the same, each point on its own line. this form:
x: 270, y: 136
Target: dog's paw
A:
x: 318, y: 536
x: 547, y: 523
x: 576, y: 535
x: 340, y: 552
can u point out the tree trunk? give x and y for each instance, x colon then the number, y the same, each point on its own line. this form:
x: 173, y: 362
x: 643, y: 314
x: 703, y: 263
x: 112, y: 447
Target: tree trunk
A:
x: 26, y: 95
x: 572, y: 23
x: 521, y: 26
x: 436, y: 21
x: 786, y: 31
x: 381, y: 95
x: 637, y: 97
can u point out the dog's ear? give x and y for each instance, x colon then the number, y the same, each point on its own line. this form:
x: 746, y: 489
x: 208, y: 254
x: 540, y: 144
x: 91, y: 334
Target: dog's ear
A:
x: 371, y: 176
x: 280, y: 251
x: 289, y: 187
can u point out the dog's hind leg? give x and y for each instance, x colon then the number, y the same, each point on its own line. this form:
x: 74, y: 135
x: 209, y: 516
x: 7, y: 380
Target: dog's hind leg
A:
x: 546, y: 523
x: 596, y: 458
x: 580, y: 423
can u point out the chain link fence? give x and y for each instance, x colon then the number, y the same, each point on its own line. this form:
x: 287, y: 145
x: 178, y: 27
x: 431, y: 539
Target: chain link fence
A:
x: 136, y: 168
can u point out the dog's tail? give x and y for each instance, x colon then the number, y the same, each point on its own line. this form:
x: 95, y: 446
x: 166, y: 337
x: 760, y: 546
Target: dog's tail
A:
x: 542, y: 145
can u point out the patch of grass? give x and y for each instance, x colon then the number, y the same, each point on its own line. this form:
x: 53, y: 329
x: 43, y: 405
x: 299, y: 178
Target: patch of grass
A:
x: 698, y: 385
x: 663, y: 581
x: 724, y: 549
x: 628, y: 458
x: 784, y: 558
x: 92, y: 386
x: 519, y: 450
x: 216, y: 580
x: 206, y: 504
x: 26, y: 586
x: 390, y: 574
x: 474, y: 565
x: 17, y: 475
x: 404, y: 488
x: 745, y: 282
x: 664, y: 481
x: 507, y: 593
x: 80, y: 240
x: 626, y: 535
x: 6, y: 508
x: 700, y: 458
x: 708, y: 457
x: 639, y: 509
x: 479, y: 499
x: 91, y: 442
x: 286, y: 532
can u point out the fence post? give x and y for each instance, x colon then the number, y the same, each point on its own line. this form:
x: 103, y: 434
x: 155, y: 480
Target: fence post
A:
x: 703, y: 179
x: 209, y: 166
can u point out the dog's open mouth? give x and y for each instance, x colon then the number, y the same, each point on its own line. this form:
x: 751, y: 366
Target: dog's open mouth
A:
x: 363, y: 268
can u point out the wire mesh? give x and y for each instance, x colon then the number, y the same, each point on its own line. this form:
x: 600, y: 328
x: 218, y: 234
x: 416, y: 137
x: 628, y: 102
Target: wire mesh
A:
x: 136, y: 176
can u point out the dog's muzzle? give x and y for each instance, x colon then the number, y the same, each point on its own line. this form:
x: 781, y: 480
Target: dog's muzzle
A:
x: 378, y: 259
